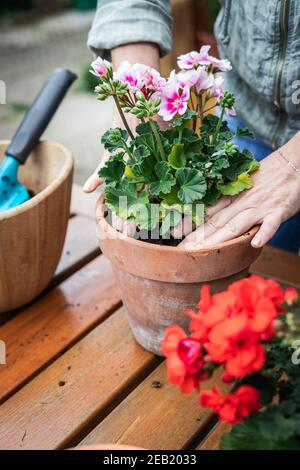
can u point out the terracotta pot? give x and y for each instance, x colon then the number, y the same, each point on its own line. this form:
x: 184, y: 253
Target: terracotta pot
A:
x: 32, y: 234
x: 159, y: 283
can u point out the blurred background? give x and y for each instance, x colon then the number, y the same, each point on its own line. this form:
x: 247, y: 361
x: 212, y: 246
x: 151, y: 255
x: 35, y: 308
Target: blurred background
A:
x: 37, y: 36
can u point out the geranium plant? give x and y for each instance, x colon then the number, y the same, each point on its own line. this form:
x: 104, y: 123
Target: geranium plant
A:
x: 164, y: 173
x: 251, y: 332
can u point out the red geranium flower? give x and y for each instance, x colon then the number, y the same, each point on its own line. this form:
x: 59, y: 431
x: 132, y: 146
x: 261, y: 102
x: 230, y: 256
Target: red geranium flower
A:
x: 291, y: 296
x: 233, y: 407
x: 232, y: 324
x: 185, y: 361
x: 238, y: 348
x: 259, y: 299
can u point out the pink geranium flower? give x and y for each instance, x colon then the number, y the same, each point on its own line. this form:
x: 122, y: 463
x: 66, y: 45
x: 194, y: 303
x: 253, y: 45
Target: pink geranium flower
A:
x: 231, y: 111
x: 151, y: 78
x: 198, y: 78
x: 217, y: 89
x: 194, y: 59
x: 217, y: 92
x: 128, y: 74
x: 174, y: 98
x: 219, y: 65
x: 139, y: 77
x: 100, y: 67
x: 189, y: 60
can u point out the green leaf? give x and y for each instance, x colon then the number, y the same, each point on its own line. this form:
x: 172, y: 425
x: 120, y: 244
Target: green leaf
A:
x: 218, y: 163
x: 275, y: 425
x: 177, y: 158
x: 192, y: 185
x: 244, y: 181
x: 169, y: 134
x: 143, y: 164
x: 185, y: 119
x: 239, y: 163
x: 144, y: 128
x: 165, y: 180
x: 171, y: 198
x: 212, y: 195
x: 192, y: 143
x: 254, y: 165
x: 124, y: 199
x: 113, y: 170
x: 247, y: 436
x: 141, y: 152
x: 114, y: 139
x: 209, y: 125
x: 244, y: 132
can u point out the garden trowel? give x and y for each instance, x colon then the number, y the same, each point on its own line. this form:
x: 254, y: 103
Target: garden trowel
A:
x: 13, y: 193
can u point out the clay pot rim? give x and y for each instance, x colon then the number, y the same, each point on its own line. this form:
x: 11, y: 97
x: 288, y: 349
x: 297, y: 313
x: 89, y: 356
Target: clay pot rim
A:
x: 100, y: 220
x: 64, y: 172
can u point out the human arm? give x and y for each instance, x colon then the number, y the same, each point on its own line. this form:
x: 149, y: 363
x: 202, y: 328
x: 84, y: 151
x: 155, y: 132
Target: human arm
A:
x: 132, y: 30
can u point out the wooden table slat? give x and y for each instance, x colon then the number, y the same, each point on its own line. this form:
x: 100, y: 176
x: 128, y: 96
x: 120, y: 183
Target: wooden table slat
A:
x: 79, y: 387
x: 212, y: 441
x: 81, y: 246
x: 278, y: 264
x: 36, y: 336
x: 156, y: 418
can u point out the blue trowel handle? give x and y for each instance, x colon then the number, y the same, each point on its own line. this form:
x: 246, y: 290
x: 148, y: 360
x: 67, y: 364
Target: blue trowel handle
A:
x: 39, y: 114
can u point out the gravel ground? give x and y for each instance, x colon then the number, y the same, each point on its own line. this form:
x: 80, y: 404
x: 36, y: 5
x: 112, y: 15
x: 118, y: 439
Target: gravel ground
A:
x: 28, y: 54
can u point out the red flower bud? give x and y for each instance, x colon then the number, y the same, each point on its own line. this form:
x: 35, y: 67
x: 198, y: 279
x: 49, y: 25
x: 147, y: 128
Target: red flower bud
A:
x: 227, y: 378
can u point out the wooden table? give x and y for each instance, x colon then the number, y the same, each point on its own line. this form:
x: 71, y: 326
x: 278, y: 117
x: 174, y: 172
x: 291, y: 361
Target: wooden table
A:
x: 74, y: 373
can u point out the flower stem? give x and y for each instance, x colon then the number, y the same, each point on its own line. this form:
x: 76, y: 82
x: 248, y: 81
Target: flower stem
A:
x: 200, y: 104
x: 123, y: 116
x: 158, y: 139
x: 218, y: 126
x: 194, y: 109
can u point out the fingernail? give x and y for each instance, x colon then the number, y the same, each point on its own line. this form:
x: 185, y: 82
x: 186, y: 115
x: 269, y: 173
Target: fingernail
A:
x: 256, y: 242
x: 88, y: 185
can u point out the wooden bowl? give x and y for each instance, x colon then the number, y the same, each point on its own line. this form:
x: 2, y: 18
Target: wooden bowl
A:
x: 32, y: 234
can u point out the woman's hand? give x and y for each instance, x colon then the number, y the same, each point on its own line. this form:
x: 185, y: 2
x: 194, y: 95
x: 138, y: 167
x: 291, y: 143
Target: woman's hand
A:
x: 274, y: 198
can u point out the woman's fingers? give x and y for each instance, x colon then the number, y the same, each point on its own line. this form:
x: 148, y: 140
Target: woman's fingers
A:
x: 233, y: 228
x: 213, y: 224
x: 92, y: 183
x: 127, y: 227
x: 194, y: 239
x: 183, y: 228
x: 267, y: 230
